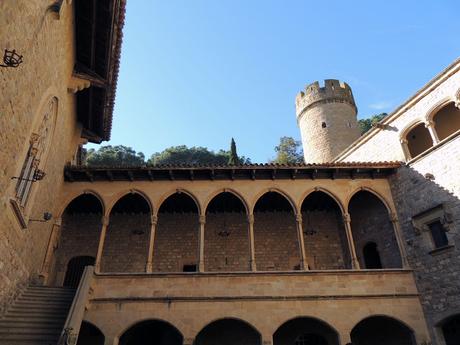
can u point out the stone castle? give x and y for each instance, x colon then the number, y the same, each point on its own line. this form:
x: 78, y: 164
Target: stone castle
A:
x: 360, y: 245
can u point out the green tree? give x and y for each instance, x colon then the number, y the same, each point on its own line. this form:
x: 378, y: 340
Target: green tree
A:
x: 366, y: 124
x: 289, y: 151
x: 192, y: 156
x: 114, y: 156
x: 233, y: 159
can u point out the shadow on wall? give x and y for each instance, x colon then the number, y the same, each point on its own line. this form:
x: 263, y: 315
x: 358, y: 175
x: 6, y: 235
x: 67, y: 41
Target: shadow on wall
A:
x: 429, y: 216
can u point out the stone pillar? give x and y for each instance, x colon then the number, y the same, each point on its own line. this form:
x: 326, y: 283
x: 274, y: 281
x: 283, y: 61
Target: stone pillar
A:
x: 188, y: 341
x: 52, y: 245
x: 105, y: 223
x: 399, y: 239
x: 201, y: 249
x: 405, y: 148
x: 153, y: 226
x: 303, y: 257
x: 252, y: 251
x: 434, y: 136
x: 457, y: 103
x: 351, y: 243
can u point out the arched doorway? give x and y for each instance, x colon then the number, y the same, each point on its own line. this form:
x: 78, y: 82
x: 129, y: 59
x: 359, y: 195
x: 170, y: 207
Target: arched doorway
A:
x: 451, y: 330
x: 90, y: 335
x: 151, y: 332
x: 228, y: 332
x: 447, y: 121
x: 275, y: 234
x: 305, y: 331
x: 324, y: 233
x: 79, y: 238
x: 418, y: 140
x: 226, y: 240
x: 381, y: 330
x: 371, y: 256
x: 75, y: 269
x: 373, y: 232
x: 127, y: 240
x: 177, y: 235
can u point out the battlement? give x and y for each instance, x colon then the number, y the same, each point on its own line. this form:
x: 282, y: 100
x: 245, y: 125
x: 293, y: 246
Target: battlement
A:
x: 333, y: 91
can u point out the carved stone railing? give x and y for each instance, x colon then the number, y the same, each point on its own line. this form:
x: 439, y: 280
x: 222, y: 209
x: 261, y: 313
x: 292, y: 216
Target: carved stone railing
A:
x: 76, y: 313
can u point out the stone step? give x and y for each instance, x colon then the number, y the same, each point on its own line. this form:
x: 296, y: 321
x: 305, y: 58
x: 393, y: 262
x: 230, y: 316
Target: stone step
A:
x: 34, y: 318
x: 28, y: 331
x: 31, y: 324
x: 40, y: 294
x: 37, y: 307
x: 37, y: 337
x: 38, y: 303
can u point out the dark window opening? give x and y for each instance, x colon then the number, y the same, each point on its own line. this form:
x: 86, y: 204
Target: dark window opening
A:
x: 189, y: 268
x: 438, y: 234
x: 323, y: 125
x: 372, y: 256
x: 451, y: 331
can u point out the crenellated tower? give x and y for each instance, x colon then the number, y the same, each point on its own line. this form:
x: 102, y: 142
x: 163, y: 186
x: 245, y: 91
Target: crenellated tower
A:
x: 327, y: 120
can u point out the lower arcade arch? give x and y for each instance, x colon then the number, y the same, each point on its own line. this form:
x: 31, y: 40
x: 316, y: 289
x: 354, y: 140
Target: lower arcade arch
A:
x: 79, y: 237
x: 450, y: 329
x: 373, y: 232
x: 324, y: 233
x: 305, y: 331
x: 275, y: 234
x: 228, y: 332
x: 127, y: 239
x: 381, y: 330
x: 226, y: 238
x: 75, y: 269
x: 90, y: 335
x: 151, y: 332
x: 177, y: 235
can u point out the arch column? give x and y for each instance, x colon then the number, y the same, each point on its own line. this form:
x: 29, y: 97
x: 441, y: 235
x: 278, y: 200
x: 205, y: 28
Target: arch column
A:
x: 202, y: 221
x: 399, y: 239
x: 105, y: 223
x: 434, y: 136
x: 252, y: 255
x: 303, y: 257
x: 405, y: 148
x: 153, y: 226
x: 351, y: 243
x: 52, y: 245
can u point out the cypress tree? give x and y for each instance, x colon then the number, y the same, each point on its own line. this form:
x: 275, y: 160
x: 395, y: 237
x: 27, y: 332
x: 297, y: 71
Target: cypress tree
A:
x: 233, y: 159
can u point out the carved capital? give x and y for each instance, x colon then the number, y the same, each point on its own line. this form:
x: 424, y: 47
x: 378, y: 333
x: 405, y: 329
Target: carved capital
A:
x: 346, y: 217
x: 153, y: 220
x: 298, y: 217
x: 429, y: 124
x: 202, y: 219
x: 58, y: 222
x: 457, y: 103
x: 77, y: 84
x: 250, y: 218
x: 393, y: 217
x: 105, y: 220
x: 403, y: 141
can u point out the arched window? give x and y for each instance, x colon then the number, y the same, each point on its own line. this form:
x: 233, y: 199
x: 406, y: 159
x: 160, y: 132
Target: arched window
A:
x: 418, y: 140
x: 39, y: 144
x: 371, y: 256
x: 447, y: 121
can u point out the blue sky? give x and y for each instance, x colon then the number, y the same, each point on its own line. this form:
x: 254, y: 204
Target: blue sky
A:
x: 198, y: 72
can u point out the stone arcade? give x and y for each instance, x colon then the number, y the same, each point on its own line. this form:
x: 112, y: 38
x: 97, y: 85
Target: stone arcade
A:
x: 360, y: 245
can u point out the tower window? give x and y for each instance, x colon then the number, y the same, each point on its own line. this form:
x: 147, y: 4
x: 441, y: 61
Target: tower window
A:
x: 323, y: 125
x: 438, y: 234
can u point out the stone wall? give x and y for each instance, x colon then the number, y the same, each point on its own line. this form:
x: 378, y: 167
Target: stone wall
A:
x: 370, y: 223
x: 275, y: 241
x: 47, y: 46
x: 436, y: 272
x: 79, y: 236
x: 176, y: 242
x: 229, y: 250
x: 126, y: 243
x: 327, y: 247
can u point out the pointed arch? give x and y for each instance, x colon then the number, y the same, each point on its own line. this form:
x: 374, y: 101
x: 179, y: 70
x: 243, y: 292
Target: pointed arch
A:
x: 225, y: 190
x: 168, y: 194
x: 265, y: 191
x: 125, y: 193
x: 382, y: 199
x: 325, y: 191
x: 416, y: 138
x: 71, y: 198
x: 90, y: 334
x: 382, y: 329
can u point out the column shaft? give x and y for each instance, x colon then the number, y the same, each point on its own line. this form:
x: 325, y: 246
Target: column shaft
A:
x: 105, y: 223
x: 50, y: 250
x: 201, y: 249
x: 303, y: 256
x: 252, y: 251
x: 351, y: 243
x: 399, y: 239
x: 153, y: 226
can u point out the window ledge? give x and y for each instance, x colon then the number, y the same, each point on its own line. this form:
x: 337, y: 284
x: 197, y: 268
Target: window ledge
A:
x: 441, y: 249
x: 17, y: 209
x: 433, y: 148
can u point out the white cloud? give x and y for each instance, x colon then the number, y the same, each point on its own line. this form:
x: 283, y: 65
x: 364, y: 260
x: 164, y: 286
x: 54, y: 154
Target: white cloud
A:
x: 380, y: 105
